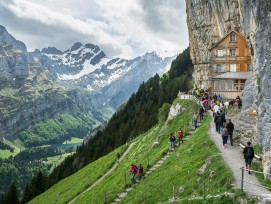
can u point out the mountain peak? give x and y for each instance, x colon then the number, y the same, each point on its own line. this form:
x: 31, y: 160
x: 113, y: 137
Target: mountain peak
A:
x: 51, y: 50
x: 76, y: 46
x: 7, y: 39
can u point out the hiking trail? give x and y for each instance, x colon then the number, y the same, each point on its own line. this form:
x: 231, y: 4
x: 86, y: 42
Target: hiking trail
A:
x: 121, y: 195
x: 109, y: 171
x: 233, y: 156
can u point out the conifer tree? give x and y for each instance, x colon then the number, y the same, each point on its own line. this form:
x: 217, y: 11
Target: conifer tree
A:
x: 27, y: 195
x: 12, y: 195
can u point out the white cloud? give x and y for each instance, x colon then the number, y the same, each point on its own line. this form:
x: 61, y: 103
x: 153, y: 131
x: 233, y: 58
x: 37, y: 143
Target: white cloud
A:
x: 119, y: 27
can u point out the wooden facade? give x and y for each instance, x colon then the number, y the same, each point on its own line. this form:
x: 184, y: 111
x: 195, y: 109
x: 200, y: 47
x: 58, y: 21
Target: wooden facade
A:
x: 230, y: 65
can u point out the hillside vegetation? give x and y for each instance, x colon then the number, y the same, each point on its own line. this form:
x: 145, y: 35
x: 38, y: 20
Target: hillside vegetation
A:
x: 138, y: 115
x: 180, y: 169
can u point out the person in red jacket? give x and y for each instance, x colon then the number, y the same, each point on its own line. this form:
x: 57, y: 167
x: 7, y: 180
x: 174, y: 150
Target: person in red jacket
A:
x: 180, y: 135
x: 133, y: 172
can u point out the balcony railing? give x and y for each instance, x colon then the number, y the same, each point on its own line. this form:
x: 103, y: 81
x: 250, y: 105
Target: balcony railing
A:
x: 231, y: 58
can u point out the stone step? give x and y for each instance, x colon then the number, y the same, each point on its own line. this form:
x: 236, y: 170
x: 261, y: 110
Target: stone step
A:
x: 122, y: 195
x: 128, y: 189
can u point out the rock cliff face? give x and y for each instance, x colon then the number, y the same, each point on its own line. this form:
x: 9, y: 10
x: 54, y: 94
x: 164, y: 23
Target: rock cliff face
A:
x: 208, y: 21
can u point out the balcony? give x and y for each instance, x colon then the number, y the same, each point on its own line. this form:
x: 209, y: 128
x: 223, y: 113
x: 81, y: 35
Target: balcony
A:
x: 231, y: 58
x: 233, y: 75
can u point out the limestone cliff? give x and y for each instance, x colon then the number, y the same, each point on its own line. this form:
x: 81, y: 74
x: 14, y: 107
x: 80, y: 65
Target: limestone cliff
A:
x: 208, y: 21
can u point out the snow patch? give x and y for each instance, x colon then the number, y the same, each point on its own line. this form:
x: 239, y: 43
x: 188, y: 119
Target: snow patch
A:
x: 89, y: 88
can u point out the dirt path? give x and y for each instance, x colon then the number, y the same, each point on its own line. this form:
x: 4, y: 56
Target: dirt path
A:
x: 233, y: 156
x: 110, y: 170
x: 121, y: 195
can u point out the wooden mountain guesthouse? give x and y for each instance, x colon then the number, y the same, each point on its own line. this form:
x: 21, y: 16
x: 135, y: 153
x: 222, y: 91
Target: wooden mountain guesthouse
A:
x: 230, y: 65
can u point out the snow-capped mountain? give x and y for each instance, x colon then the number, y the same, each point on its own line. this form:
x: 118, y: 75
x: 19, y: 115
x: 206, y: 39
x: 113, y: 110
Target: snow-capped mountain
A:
x: 90, y: 68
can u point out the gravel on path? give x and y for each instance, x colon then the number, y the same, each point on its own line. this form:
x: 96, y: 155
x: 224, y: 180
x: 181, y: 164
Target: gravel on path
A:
x: 233, y: 156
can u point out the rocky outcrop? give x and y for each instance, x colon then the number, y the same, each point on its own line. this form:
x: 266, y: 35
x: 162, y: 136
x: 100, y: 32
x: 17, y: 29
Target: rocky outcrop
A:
x: 208, y: 21
x: 13, y: 60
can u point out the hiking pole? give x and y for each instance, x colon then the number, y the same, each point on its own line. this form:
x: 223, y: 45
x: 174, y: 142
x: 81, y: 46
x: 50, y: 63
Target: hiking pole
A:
x: 242, y: 180
x: 204, y: 197
x: 125, y: 178
x: 174, y: 200
x: 105, y: 197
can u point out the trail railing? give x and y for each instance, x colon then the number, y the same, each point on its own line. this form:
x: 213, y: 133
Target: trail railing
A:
x: 189, y: 97
x: 251, y: 183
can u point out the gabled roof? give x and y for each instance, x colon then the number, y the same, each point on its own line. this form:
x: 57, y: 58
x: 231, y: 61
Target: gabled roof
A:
x: 233, y: 31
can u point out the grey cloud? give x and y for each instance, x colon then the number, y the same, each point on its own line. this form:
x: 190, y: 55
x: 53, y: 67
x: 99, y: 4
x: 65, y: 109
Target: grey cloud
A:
x: 156, y: 21
x: 34, y: 33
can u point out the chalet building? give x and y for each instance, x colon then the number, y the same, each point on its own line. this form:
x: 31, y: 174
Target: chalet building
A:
x: 230, y: 65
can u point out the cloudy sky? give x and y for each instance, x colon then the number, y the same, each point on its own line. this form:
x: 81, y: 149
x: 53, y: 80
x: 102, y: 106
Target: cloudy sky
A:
x: 125, y: 28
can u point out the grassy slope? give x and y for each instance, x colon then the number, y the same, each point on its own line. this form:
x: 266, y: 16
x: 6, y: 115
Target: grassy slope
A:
x: 6, y: 153
x: 182, y: 164
x: 73, y: 140
x: 71, y: 186
x: 56, y: 160
x: 143, y: 152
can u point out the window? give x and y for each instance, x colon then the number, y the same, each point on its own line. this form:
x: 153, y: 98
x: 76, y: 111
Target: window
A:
x: 217, y: 85
x: 219, y: 68
x: 233, y: 38
x: 223, y: 85
x: 235, y: 85
x: 242, y: 84
x: 229, y: 84
x: 250, y: 67
x: 232, y: 52
x: 232, y: 67
x: 219, y: 53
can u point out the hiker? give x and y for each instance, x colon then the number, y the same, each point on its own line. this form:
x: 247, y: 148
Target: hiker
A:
x: 201, y: 111
x: 133, y: 172
x: 217, y: 121
x: 248, y: 155
x: 223, y: 108
x: 180, y: 135
x: 230, y: 127
x: 224, y: 136
x: 140, y: 172
x: 195, y: 117
x: 172, y: 141
x: 223, y: 119
x: 216, y: 108
x: 118, y: 156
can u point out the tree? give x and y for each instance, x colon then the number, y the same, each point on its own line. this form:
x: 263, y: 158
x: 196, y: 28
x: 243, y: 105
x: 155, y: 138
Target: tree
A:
x: 12, y: 195
x: 28, y: 195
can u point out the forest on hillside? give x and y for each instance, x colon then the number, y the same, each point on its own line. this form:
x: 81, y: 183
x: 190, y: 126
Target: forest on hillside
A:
x: 133, y: 118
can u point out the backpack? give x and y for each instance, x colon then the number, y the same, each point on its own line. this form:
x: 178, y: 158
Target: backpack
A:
x: 249, y: 152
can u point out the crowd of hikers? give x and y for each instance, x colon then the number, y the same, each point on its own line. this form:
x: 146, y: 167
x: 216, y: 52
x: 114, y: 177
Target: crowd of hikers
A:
x: 215, y: 104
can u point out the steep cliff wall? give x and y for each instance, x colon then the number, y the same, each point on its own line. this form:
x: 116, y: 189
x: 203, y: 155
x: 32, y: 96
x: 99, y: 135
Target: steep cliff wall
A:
x: 210, y: 20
